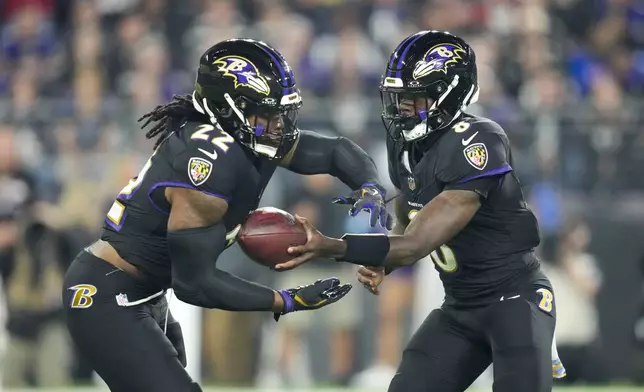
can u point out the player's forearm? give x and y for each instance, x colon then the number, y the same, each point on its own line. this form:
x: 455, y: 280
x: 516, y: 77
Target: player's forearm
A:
x: 437, y: 223
x: 337, y: 156
x: 399, y: 250
x: 196, y: 280
x: 434, y: 225
x: 221, y: 290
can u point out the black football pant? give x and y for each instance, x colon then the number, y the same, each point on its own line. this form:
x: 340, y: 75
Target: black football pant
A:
x: 454, y: 346
x: 126, y: 346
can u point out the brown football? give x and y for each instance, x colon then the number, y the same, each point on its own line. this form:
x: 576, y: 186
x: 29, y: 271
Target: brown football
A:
x: 267, y: 233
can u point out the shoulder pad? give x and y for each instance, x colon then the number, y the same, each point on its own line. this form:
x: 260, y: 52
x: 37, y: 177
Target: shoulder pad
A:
x: 465, y: 131
x: 469, y: 125
x: 473, y: 148
x: 211, y: 159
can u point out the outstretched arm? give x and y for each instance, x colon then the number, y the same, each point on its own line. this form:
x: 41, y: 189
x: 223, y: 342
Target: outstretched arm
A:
x: 434, y: 225
x: 338, y: 156
x: 342, y: 158
x: 196, y: 238
x: 467, y: 178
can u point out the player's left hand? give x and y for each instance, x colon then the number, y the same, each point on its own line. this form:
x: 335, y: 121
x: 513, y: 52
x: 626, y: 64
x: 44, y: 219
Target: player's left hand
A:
x: 371, y: 277
x: 317, y: 246
x: 370, y: 197
x: 321, y: 293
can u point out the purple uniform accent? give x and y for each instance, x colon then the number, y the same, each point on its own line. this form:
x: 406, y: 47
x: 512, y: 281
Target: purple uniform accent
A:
x: 114, y: 225
x: 286, y: 90
x: 438, y: 61
x: 404, y: 53
x: 289, y: 304
x: 259, y: 129
x: 241, y: 75
x: 423, y: 115
x: 178, y: 185
x: 375, y: 186
x: 494, y: 172
x: 131, y: 194
x: 404, y: 272
x: 399, y: 47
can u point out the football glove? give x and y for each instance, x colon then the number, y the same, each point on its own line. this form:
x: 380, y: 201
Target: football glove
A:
x: 313, y: 296
x: 370, y: 197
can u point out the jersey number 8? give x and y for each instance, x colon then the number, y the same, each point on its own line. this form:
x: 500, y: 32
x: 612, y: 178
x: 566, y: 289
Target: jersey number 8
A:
x: 547, y: 299
x: 444, y: 258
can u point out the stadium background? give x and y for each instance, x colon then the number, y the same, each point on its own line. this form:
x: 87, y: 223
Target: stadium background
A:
x: 563, y: 77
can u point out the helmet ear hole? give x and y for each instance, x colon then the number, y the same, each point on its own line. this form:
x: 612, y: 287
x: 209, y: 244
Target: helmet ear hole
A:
x: 435, y: 90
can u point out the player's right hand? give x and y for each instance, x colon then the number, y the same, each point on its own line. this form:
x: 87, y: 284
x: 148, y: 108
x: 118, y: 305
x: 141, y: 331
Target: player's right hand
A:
x: 371, y: 277
x: 313, y: 296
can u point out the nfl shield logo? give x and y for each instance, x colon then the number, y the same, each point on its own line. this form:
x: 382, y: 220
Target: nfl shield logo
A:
x: 411, y: 183
x: 199, y: 170
x: 121, y: 300
x: 476, y: 155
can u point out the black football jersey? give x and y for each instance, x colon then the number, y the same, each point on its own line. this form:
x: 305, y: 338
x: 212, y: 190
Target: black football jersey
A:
x: 196, y: 156
x: 496, y: 248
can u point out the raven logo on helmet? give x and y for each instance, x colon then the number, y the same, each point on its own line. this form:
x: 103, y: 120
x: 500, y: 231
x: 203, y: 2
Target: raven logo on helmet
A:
x: 243, y: 72
x: 437, y: 59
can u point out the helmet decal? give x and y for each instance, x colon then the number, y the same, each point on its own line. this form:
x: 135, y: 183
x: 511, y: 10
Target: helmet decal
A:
x: 437, y: 58
x: 248, y: 88
x: 244, y: 73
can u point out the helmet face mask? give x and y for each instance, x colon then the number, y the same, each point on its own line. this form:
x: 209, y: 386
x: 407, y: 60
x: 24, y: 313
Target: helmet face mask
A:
x: 274, y: 129
x: 437, y: 72
x: 409, y: 115
x: 248, y: 87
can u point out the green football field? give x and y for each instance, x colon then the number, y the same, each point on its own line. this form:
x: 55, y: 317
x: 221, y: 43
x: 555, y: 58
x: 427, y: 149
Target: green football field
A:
x: 220, y: 389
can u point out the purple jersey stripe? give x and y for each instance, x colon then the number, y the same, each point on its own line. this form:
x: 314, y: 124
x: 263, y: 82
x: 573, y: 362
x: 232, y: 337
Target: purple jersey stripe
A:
x: 494, y: 172
x: 122, y: 196
x: 177, y: 185
x: 114, y: 225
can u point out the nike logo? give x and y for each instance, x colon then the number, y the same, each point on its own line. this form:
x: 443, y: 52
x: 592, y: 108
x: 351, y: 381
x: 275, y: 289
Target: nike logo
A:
x: 468, y: 140
x: 514, y: 297
x: 211, y: 155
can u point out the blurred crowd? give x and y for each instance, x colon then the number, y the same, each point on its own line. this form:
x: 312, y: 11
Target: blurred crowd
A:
x: 563, y: 77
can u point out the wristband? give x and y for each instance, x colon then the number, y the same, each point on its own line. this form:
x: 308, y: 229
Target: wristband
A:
x: 366, y: 249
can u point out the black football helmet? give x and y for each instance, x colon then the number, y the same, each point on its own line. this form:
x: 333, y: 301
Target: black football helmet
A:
x: 240, y: 78
x: 432, y: 65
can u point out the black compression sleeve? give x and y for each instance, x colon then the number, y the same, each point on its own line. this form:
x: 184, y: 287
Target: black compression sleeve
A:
x: 197, y: 281
x: 337, y: 156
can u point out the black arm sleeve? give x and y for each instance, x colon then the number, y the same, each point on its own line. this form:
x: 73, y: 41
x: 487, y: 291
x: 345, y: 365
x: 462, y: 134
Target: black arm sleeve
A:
x: 197, y: 281
x: 337, y: 156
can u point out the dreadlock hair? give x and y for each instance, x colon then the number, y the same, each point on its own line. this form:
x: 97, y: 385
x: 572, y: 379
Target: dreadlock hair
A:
x: 167, y: 116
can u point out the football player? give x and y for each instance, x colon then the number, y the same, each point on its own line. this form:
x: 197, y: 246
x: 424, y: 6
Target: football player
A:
x: 215, y: 152
x: 460, y: 203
